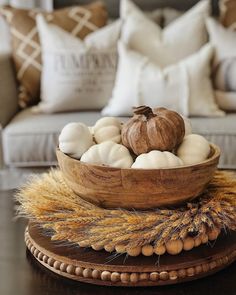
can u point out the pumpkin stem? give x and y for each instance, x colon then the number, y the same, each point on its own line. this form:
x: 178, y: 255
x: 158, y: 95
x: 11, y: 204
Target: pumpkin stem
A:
x: 143, y: 110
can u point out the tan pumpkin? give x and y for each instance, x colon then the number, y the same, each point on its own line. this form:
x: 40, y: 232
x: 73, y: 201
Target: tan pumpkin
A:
x: 159, y: 129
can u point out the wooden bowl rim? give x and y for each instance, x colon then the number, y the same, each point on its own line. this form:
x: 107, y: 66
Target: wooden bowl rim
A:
x: 214, y: 156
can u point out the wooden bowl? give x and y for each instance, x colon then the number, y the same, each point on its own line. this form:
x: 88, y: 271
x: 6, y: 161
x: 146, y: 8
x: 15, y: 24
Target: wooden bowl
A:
x: 137, y: 188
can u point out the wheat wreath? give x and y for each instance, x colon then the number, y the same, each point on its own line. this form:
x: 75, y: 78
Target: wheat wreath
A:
x: 50, y: 203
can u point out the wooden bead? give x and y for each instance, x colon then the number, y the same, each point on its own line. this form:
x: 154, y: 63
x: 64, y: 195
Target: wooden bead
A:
x: 213, y: 234
x: 204, y: 238
x: 109, y: 248
x: 51, y: 261
x: 160, y: 250
x: 79, y: 271
x: 115, y: 277
x: 40, y: 256
x: 87, y: 273
x: 120, y: 248
x: 225, y: 259
x: 106, y: 275
x: 198, y: 269
x: 154, y: 276
x: 70, y: 269
x: 173, y: 275
x: 45, y: 258
x: 143, y: 276
x: 147, y: 250
x: 212, y: 264
x: 190, y: 272
x: 57, y: 264
x: 96, y: 274
x: 182, y: 273
x: 32, y: 248
x: 164, y: 276
x: 174, y: 247
x: 63, y: 267
x: 197, y: 241
x: 134, y: 277
x: 97, y: 247
x: 124, y: 277
x: 205, y: 267
x: 188, y: 243
x: 36, y: 252
x: 218, y: 262
x: 134, y: 251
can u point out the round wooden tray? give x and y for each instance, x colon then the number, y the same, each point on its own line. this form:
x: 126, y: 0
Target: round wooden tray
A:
x: 110, y: 187
x: 102, y: 268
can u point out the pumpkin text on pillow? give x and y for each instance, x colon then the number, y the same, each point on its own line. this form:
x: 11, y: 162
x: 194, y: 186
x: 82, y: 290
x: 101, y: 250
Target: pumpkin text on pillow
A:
x: 77, y: 74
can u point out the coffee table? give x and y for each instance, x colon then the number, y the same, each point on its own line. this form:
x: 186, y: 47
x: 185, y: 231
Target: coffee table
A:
x: 20, y: 274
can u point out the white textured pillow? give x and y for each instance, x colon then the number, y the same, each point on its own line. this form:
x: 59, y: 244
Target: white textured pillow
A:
x: 183, y: 37
x: 185, y: 86
x: 76, y: 75
x: 226, y: 100
x: 224, y: 69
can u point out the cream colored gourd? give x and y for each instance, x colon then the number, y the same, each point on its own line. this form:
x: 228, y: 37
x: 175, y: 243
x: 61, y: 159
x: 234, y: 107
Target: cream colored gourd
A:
x: 108, y: 153
x: 194, y: 149
x: 75, y: 139
x: 107, y: 128
x: 156, y: 160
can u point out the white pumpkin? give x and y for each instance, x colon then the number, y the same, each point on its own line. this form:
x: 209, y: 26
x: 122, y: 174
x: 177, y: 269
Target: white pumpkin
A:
x: 75, y: 139
x: 194, y: 149
x: 156, y: 160
x: 108, y: 153
x: 187, y: 126
x: 107, y: 128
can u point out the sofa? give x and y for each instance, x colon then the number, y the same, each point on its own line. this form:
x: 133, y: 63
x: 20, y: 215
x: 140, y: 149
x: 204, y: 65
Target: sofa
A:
x: 29, y: 140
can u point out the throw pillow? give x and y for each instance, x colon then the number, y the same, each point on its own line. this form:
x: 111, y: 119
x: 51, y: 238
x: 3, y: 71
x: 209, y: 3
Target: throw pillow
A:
x: 184, y: 36
x: 228, y: 13
x: 78, y: 20
x: 226, y: 100
x: 185, y: 86
x: 77, y: 74
x: 224, y: 42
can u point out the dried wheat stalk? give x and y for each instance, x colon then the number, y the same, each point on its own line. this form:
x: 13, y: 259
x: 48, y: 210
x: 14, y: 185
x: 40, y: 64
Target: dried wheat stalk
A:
x: 48, y: 201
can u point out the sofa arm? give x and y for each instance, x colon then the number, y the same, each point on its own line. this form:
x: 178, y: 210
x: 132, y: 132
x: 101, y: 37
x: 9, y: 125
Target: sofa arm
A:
x: 8, y: 90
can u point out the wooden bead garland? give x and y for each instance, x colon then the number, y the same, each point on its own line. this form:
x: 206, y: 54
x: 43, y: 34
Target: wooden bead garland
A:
x: 133, y: 277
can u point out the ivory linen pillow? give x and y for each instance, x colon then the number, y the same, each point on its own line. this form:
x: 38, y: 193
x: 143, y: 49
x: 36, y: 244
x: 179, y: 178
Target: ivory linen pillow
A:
x: 224, y: 66
x: 77, y: 20
x: 185, y: 86
x: 77, y: 74
x: 224, y: 42
x: 181, y: 38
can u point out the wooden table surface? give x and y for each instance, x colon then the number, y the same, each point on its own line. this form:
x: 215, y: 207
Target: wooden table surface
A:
x: 20, y: 274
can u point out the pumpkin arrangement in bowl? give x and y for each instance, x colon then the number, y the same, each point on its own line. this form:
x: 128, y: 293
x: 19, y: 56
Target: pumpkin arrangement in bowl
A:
x: 151, y: 139
x: 151, y: 160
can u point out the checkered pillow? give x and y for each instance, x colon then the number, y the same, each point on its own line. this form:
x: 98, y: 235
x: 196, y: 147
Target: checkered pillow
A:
x: 77, y: 20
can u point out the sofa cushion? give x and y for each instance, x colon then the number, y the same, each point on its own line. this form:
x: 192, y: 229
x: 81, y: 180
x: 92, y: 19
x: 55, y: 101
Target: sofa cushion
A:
x: 29, y: 140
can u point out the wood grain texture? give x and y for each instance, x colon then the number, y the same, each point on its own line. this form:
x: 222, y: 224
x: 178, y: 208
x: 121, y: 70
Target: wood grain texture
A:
x: 137, y: 188
x: 98, y: 268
